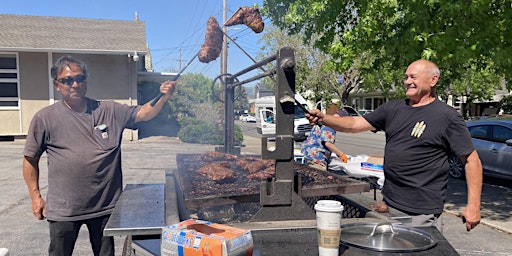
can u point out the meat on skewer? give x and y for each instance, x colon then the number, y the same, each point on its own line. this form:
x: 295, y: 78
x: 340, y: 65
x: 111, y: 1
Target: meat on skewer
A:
x: 250, y: 16
x: 212, y: 46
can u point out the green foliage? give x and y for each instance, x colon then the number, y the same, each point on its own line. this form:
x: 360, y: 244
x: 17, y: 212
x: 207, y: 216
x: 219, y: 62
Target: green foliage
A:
x: 385, y: 36
x: 241, y: 100
x: 192, y: 105
x: 506, y: 104
x: 146, y: 92
x: 312, y: 71
x: 478, y: 83
x: 197, y: 131
x: 192, y: 89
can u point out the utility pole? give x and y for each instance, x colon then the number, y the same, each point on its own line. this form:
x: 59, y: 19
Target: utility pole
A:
x: 179, y: 61
x: 224, y: 56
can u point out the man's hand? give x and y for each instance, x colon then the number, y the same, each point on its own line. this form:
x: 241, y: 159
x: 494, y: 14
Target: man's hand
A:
x: 471, y: 218
x: 39, y: 208
x: 168, y: 87
x: 314, y: 116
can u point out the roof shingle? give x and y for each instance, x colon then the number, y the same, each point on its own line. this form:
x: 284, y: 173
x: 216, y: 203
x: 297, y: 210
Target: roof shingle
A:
x: 71, y: 34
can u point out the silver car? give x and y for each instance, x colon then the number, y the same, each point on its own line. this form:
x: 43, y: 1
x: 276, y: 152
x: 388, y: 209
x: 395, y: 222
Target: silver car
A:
x: 493, y: 142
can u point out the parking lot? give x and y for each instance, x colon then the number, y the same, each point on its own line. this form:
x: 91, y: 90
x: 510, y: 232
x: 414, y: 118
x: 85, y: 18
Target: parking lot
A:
x: 145, y: 161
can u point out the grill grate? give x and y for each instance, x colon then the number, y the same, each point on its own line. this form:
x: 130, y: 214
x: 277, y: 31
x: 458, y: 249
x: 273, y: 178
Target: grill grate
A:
x: 350, y: 209
x: 243, y: 212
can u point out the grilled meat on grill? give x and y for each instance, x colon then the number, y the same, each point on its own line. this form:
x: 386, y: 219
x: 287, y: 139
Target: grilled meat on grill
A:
x: 217, y: 171
x: 217, y: 156
x: 263, y: 174
x: 253, y: 164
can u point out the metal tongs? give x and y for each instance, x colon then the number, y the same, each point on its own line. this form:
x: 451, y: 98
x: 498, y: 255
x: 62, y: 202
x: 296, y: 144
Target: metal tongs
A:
x: 289, y: 98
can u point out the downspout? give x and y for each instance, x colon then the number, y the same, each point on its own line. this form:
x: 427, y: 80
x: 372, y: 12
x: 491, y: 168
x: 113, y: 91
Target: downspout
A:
x: 51, y: 94
x: 130, y: 80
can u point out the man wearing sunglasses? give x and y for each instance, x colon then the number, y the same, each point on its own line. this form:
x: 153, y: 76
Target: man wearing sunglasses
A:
x: 82, y: 139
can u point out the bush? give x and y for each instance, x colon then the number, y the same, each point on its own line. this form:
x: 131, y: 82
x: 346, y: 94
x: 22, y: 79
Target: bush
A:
x: 197, y: 131
x: 506, y: 104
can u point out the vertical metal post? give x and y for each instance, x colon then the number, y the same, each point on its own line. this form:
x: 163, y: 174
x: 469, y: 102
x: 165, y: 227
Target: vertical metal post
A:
x: 229, y: 122
x: 278, y: 198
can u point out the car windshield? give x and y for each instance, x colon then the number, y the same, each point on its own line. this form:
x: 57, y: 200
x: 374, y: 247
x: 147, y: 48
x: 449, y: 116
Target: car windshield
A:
x: 299, y: 113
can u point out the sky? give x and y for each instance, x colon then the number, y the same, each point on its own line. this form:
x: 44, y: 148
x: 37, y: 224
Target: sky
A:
x: 175, y: 29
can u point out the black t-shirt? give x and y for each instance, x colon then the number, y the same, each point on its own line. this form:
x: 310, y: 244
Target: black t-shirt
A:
x: 418, y: 142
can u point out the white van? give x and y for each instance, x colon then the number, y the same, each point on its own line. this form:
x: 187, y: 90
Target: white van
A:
x: 264, y: 109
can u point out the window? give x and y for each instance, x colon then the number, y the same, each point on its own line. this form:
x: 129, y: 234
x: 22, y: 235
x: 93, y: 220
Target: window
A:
x: 501, y: 134
x: 368, y: 103
x: 373, y: 103
x: 479, y: 132
x: 8, y: 80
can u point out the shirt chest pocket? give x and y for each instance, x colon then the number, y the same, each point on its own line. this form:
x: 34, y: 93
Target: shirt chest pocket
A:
x: 105, y: 137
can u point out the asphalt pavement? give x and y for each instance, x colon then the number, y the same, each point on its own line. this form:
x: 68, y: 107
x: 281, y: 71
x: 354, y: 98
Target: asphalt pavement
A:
x: 145, y: 161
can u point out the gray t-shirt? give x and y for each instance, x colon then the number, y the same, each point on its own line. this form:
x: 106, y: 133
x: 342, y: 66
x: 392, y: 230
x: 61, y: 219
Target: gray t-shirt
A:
x: 84, y: 156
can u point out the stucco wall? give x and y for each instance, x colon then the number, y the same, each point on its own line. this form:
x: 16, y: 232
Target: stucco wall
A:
x: 111, y: 77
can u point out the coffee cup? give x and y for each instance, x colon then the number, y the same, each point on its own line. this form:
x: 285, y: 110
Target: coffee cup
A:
x: 328, y: 222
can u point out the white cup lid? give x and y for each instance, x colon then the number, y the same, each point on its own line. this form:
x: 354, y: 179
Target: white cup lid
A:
x: 328, y: 206
x: 328, y: 202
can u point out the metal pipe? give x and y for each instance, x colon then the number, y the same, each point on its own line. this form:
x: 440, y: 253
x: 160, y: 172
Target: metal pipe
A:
x: 268, y: 73
x: 256, y: 65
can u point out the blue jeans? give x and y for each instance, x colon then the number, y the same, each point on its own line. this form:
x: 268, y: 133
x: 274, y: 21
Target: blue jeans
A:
x: 63, y: 235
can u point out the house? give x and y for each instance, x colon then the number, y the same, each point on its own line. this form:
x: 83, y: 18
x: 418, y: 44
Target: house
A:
x: 114, y: 51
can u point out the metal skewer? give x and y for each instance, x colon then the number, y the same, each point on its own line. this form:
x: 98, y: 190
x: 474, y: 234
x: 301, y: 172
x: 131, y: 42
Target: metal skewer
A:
x: 174, y: 79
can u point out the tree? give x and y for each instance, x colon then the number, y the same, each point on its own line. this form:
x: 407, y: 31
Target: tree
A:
x: 313, y: 70
x: 506, y: 104
x: 241, y: 100
x: 193, y: 89
x: 194, y: 99
x: 383, y: 37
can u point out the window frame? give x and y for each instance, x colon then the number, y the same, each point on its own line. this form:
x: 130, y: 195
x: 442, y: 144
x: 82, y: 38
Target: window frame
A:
x: 15, y: 80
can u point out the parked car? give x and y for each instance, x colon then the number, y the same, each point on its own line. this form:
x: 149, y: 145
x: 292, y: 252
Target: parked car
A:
x: 248, y: 118
x: 492, y: 138
x: 364, y: 111
x: 351, y: 111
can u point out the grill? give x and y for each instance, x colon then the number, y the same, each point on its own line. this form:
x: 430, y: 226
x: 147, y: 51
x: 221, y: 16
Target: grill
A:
x: 236, y: 199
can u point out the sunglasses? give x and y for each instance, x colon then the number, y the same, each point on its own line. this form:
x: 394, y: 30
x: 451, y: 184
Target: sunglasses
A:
x: 69, y: 81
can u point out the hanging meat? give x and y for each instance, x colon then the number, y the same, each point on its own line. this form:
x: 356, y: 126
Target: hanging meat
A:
x: 250, y: 16
x: 212, y: 45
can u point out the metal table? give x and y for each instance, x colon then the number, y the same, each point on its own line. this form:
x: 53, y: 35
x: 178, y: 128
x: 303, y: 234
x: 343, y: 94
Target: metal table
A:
x: 303, y: 241
x: 141, y: 214
x: 139, y: 211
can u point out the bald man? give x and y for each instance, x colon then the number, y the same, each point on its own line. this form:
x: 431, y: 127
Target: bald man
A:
x: 421, y: 133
